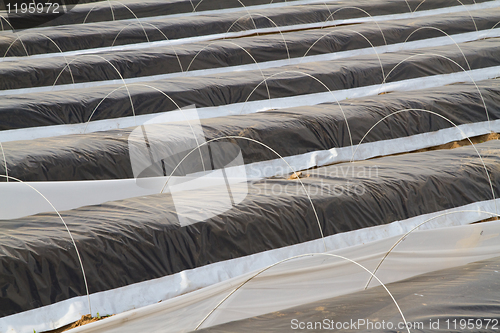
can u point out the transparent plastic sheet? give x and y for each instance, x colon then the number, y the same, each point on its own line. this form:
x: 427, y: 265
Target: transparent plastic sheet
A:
x: 105, y: 34
x: 290, y: 132
x: 145, y: 238
x: 308, y: 279
x: 233, y: 90
x: 236, y: 52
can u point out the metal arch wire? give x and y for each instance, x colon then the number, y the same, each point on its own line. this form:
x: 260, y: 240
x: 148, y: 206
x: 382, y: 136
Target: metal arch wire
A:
x: 473, y: 21
x: 125, y: 27
x: 91, y: 9
x: 415, y: 228
x: 116, y: 70
x: 111, y: 8
x: 300, y: 256
x: 317, y: 80
x: 248, y: 14
x: 180, y: 109
x: 2, y: 17
x: 474, y: 1
x: 270, y: 20
x: 272, y: 150
x: 166, y: 38
x: 22, y: 44
x: 5, y: 163
x: 67, y: 229
x: 445, y: 33
x: 154, y: 88
x: 451, y: 60
x: 131, y: 11
x: 443, y: 117
x: 241, y: 47
x: 52, y: 41
x: 494, y: 26
x: 369, y: 42
x: 362, y: 10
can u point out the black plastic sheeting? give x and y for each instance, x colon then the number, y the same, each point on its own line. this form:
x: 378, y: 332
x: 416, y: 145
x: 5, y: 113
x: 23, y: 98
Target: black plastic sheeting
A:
x: 4, y: 3
x: 89, y: 11
x: 293, y: 131
x: 139, y: 239
x: 33, y: 72
x: 105, y: 34
x: 76, y: 106
x: 20, y: 15
x: 444, y: 301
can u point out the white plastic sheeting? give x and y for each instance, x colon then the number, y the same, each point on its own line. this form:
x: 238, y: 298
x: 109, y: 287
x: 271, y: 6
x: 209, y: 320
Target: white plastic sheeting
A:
x: 194, y: 304
x: 441, y: 11
x: 256, y: 106
x: 409, y: 45
x: 294, y: 282
x: 311, y: 278
x: 18, y: 200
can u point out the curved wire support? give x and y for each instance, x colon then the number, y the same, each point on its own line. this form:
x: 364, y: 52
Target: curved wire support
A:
x: 248, y: 14
x: 472, y: 18
x: 18, y: 37
x: 135, y: 16
x: 159, y: 30
x: 409, y: 7
x: 91, y: 9
x: 360, y: 9
x: 192, y: 5
x: 369, y: 42
x: 154, y: 88
x: 5, y: 163
x: 116, y: 70
x: 124, y: 87
x: 4, y: 19
x: 494, y: 26
x: 270, y: 20
x: 402, y: 238
x: 111, y: 8
x: 125, y: 27
x: 241, y: 47
x: 451, y: 122
x: 317, y: 80
x: 445, y: 33
x: 171, y: 46
x: 67, y: 229
x: 52, y: 41
x: 68, y: 65
x: 301, y: 256
x: 452, y: 61
x: 266, y: 146
x: 241, y: 3
x: 418, y: 6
